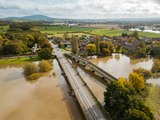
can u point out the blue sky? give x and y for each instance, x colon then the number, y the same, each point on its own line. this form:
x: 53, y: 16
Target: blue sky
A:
x: 81, y: 8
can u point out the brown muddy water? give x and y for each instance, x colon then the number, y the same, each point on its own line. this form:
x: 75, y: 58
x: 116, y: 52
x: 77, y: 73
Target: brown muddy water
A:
x: 22, y: 100
x: 119, y: 66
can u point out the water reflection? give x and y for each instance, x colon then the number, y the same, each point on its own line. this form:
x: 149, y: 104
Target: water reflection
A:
x: 120, y: 65
x: 11, y: 73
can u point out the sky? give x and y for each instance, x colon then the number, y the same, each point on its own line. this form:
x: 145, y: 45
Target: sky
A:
x: 81, y: 9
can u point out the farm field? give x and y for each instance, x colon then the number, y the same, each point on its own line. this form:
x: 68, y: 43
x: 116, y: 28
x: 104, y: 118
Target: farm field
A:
x: 69, y: 34
x: 60, y: 30
x: 3, y: 28
x: 118, y: 32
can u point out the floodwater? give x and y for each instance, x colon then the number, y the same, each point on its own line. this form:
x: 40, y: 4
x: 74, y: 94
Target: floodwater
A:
x: 22, y: 100
x: 120, y: 65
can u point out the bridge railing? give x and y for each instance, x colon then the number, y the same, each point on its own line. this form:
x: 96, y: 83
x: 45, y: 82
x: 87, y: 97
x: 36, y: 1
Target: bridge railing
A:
x: 111, y: 77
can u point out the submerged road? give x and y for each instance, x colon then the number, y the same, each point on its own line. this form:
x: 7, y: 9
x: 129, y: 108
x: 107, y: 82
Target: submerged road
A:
x: 86, y: 100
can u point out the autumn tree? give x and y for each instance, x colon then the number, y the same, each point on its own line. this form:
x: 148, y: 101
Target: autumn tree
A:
x: 143, y: 72
x: 104, y: 45
x: 91, y: 49
x: 123, y: 103
x: 137, y: 81
x: 45, y: 66
x: 74, y: 44
x: 106, y: 51
x: 30, y: 68
x: 97, y: 43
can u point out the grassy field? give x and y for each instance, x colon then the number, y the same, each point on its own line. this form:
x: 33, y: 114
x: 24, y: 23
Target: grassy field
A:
x: 17, y: 61
x: 118, y: 32
x: 3, y: 28
x: 69, y: 34
x: 60, y: 30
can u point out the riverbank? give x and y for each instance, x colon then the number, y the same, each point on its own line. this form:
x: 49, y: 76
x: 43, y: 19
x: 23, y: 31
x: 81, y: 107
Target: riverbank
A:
x: 17, y: 61
x: 22, y: 100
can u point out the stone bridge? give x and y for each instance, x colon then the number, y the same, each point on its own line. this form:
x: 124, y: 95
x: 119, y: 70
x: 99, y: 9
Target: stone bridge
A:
x: 92, y: 67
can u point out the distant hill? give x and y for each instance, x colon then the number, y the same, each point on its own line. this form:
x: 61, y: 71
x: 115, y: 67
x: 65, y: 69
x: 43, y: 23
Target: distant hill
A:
x: 31, y: 18
x: 46, y: 18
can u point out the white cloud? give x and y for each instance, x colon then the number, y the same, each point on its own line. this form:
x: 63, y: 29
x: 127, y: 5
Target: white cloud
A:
x: 82, y: 8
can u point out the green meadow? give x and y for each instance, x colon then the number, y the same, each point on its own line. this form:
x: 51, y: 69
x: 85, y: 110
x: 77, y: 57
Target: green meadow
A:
x: 60, y: 30
x: 118, y: 32
x: 18, y: 60
x: 3, y: 28
x: 75, y: 30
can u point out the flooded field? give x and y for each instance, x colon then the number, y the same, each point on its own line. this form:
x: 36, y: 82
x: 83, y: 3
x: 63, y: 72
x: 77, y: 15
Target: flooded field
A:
x: 120, y: 65
x: 22, y: 100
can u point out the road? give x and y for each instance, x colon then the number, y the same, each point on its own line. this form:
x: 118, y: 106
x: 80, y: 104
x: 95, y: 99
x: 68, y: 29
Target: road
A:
x: 87, y: 102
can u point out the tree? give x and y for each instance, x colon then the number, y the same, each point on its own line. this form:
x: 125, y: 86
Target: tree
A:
x: 91, y: 49
x: 143, y: 72
x: 123, y: 103
x: 21, y: 25
x: 30, y: 68
x: 137, y: 81
x: 46, y: 44
x: 106, y: 51
x: 14, y: 47
x: 156, y: 66
x: 74, y: 44
x: 122, y: 82
x: 118, y: 48
x: 155, y: 50
x: 135, y: 34
x: 97, y: 44
x: 45, y: 53
x: 106, y: 45
x: 141, y: 50
x: 45, y: 66
x: 134, y: 114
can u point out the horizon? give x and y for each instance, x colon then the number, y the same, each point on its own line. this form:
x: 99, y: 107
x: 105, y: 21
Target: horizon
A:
x: 81, y: 9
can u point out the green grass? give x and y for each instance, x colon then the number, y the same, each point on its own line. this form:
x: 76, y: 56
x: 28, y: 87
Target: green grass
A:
x: 17, y: 61
x: 62, y: 29
x: 153, y: 100
x: 3, y: 28
x: 118, y: 32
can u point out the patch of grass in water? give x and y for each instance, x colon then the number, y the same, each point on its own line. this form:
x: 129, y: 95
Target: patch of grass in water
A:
x: 18, y: 61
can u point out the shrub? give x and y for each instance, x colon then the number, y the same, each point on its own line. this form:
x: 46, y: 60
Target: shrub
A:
x: 45, y: 66
x: 91, y: 49
x: 156, y: 66
x: 54, y: 74
x: 137, y: 81
x: 145, y: 73
x: 29, y: 69
x: 34, y: 76
x: 45, y: 53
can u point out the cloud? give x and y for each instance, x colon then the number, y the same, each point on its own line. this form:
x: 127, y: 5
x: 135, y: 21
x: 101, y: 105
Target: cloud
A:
x: 81, y: 8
